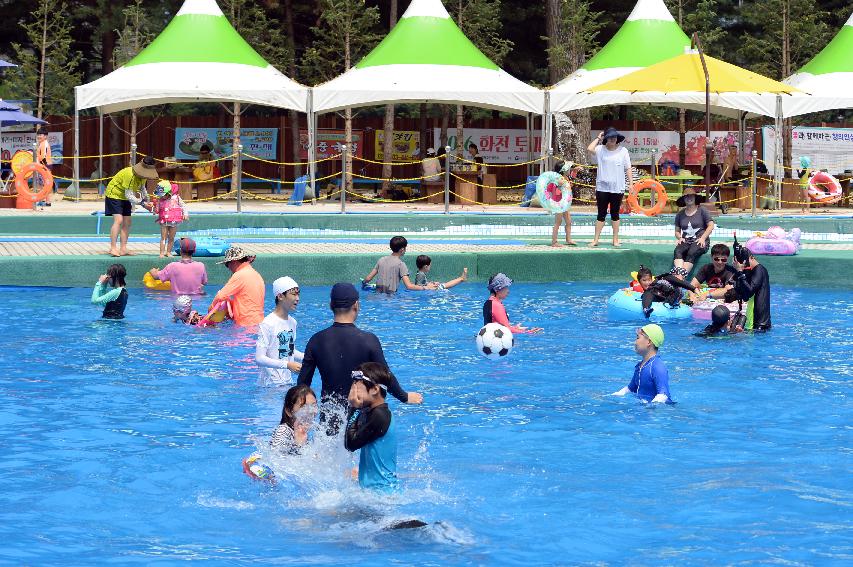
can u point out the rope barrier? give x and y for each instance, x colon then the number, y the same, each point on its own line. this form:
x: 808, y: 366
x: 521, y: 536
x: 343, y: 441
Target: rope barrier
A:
x: 254, y: 157
x: 380, y: 200
x: 247, y: 174
x: 521, y: 163
x: 392, y: 179
x: 358, y: 158
x: 488, y: 186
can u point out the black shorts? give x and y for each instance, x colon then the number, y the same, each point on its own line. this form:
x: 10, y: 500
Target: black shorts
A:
x: 689, y: 251
x: 117, y: 207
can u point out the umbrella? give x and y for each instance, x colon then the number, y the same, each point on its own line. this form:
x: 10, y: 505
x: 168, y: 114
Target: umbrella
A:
x: 11, y: 115
x: 6, y: 64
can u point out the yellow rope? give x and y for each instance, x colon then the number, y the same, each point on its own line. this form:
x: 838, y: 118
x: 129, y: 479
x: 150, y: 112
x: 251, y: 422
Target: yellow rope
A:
x: 537, y: 160
x: 392, y: 179
x: 247, y: 174
x: 336, y: 156
x: 357, y: 158
x: 380, y: 200
x: 488, y: 186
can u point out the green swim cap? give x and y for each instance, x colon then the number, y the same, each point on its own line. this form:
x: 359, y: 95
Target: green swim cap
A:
x: 655, y: 334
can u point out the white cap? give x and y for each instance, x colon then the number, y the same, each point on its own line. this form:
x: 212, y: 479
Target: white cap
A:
x: 282, y: 285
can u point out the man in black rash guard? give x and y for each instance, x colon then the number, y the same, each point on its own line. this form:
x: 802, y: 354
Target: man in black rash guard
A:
x: 666, y: 289
x: 752, y: 283
x: 338, y: 350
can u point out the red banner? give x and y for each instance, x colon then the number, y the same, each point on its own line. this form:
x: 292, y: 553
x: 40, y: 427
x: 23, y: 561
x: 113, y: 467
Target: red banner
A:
x: 329, y: 143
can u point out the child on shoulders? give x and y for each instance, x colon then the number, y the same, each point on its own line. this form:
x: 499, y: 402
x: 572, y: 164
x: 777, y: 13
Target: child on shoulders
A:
x: 275, y: 351
x: 424, y: 264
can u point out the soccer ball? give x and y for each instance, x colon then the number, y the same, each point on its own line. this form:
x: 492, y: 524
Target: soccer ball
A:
x: 494, y: 341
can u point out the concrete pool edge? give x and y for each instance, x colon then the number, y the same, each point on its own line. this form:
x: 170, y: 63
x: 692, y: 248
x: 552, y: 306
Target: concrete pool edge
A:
x: 823, y: 268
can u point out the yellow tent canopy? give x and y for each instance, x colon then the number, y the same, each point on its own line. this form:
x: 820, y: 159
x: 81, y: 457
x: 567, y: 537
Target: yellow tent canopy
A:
x: 684, y: 73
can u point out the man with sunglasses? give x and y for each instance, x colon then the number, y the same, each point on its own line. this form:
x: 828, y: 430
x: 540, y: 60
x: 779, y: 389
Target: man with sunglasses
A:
x: 718, y: 275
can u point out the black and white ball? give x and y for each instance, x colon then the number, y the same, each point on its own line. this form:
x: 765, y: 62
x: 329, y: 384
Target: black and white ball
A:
x: 495, y: 341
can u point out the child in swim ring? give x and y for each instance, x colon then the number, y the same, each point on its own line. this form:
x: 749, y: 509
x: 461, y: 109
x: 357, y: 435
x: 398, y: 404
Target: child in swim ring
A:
x: 297, y: 419
x: 182, y: 311
x: 494, y: 310
x: 424, y: 264
x: 651, y: 379
x: 115, y: 300
x: 569, y: 171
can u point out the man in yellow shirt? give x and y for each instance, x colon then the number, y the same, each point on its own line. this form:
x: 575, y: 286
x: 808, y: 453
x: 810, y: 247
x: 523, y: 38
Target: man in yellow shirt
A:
x: 120, y: 199
x: 244, y: 290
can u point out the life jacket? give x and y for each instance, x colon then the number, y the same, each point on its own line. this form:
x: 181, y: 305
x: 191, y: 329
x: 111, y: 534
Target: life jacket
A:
x: 170, y: 210
x: 115, y: 308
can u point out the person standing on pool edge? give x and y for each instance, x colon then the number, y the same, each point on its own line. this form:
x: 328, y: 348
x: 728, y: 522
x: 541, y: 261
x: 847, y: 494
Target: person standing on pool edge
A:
x: 651, y: 379
x: 614, y: 165
x: 117, y: 203
x: 244, y: 290
x: 337, y: 350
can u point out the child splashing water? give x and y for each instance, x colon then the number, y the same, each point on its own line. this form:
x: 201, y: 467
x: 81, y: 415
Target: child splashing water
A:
x: 170, y: 212
x: 297, y: 419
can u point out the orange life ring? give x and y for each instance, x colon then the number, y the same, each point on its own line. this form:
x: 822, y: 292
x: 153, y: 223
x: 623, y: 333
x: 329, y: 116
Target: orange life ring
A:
x: 23, y: 187
x: 660, y: 194
x: 824, y: 188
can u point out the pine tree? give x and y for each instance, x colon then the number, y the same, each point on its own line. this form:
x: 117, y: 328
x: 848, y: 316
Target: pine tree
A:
x: 48, y: 67
x: 345, y: 32
x: 131, y: 39
x: 480, y: 21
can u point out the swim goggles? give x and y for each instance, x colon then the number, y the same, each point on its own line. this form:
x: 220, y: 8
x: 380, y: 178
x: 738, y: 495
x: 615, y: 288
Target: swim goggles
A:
x: 359, y: 375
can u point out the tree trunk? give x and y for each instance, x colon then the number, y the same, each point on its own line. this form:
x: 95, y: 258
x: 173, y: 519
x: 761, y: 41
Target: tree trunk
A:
x: 422, y: 128
x: 445, y: 124
x: 786, y: 72
x: 553, y: 15
x: 42, y: 60
x: 388, y: 135
x: 133, y: 127
x: 293, y: 116
x: 348, y: 142
x: 460, y: 132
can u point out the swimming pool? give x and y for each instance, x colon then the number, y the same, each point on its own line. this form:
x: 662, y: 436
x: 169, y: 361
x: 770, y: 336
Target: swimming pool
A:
x: 123, y: 440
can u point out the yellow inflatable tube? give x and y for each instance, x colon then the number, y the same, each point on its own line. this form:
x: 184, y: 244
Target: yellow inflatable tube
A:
x: 151, y: 283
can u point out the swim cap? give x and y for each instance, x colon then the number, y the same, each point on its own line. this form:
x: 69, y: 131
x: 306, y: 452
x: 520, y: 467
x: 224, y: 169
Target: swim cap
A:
x: 282, y: 285
x: 655, y: 334
x: 720, y: 315
x: 187, y: 246
x: 498, y: 282
x: 805, y: 162
x: 343, y: 295
x: 183, y: 304
x: 165, y: 186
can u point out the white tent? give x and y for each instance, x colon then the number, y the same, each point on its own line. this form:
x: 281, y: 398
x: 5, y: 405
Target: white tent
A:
x: 649, y: 35
x: 427, y: 58
x: 199, y: 57
x: 828, y: 77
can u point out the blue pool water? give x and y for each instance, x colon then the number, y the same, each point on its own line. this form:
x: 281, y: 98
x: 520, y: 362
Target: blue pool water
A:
x: 122, y: 441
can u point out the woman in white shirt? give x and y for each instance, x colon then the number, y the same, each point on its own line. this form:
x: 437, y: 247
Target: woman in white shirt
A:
x: 614, y: 164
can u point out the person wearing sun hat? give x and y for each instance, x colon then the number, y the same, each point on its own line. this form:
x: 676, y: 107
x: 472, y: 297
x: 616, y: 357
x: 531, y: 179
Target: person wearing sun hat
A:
x: 244, y: 290
x: 693, y: 228
x: 188, y: 277
x: 651, y: 379
x: 118, y: 199
x: 614, y: 165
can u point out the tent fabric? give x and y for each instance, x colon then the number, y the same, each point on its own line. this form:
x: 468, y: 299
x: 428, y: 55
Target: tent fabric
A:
x: 680, y: 82
x: 427, y: 58
x: 198, y: 57
x: 828, y: 77
x: 649, y: 35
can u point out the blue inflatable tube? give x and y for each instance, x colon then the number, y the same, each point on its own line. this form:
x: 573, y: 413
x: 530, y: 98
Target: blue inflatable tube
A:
x: 206, y: 246
x: 626, y: 304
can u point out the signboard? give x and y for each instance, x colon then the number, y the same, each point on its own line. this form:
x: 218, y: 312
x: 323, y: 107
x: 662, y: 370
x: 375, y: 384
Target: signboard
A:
x: 14, y: 141
x: 260, y: 142
x: 407, y: 146
x: 497, y: 145
x: 641, y: 143
x: 329, y: 143
x: 828, y: 148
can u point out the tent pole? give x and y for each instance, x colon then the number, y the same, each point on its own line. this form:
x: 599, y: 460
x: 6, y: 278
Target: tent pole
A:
x: 779, y: 162
x: 312, y: 146
x: 708, y: 146
x: 741, y: 137
x: 76, y: 166
x: 100, y: 151
x: 529, y: 143
x: 546, y: 131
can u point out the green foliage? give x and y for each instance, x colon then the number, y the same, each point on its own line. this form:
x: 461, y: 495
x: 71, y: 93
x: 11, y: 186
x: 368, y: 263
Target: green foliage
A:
x: 480, y: 20
x: 579, y: 27
x: 762, y: 49
x: 48, y: 67
x: 344, y: 28
x: 261, y: 30
x: 138, y: 32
